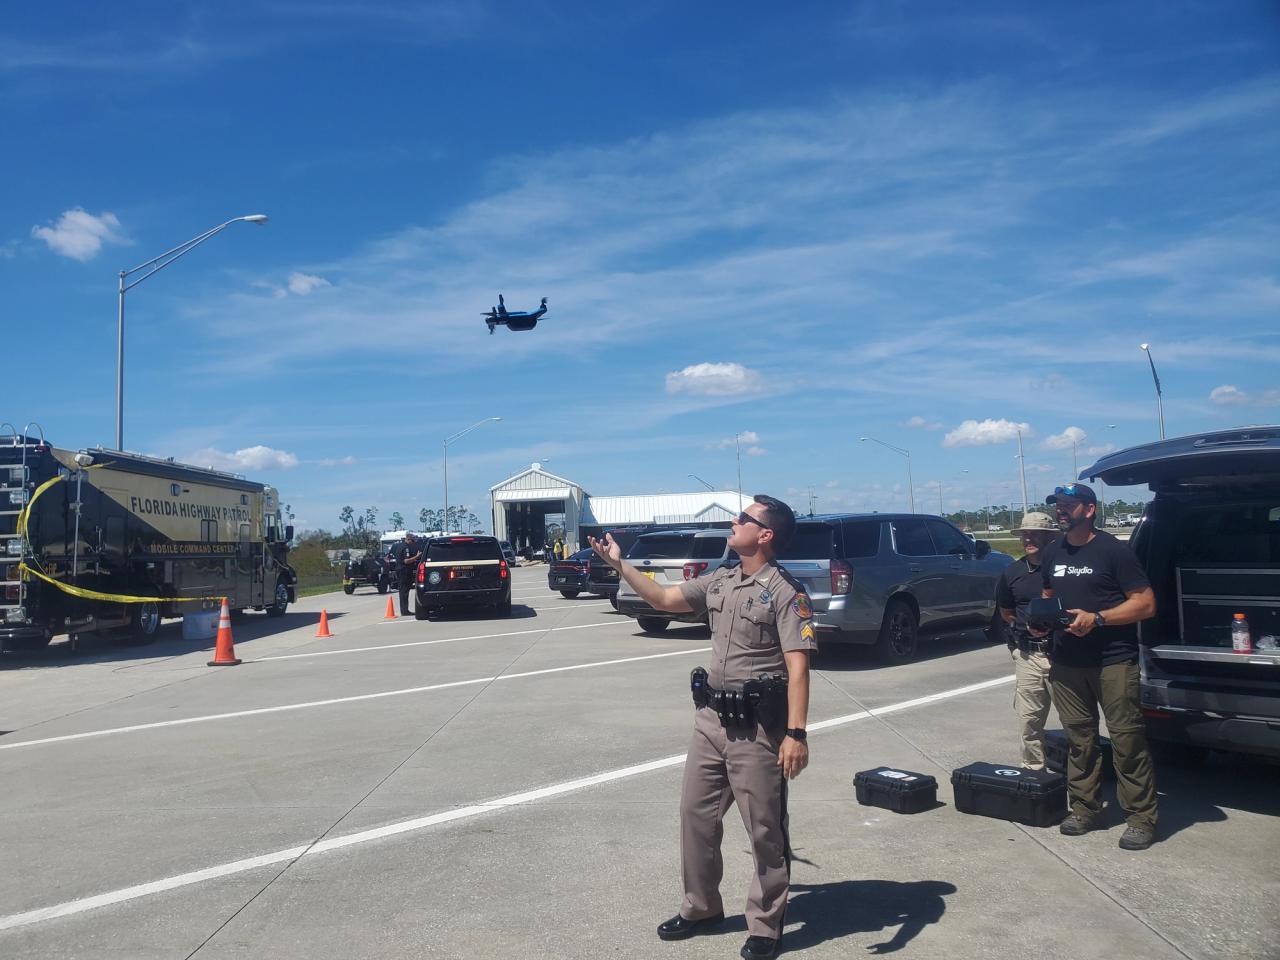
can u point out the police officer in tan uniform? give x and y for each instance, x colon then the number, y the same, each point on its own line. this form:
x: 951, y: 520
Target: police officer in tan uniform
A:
x: 749, y: 725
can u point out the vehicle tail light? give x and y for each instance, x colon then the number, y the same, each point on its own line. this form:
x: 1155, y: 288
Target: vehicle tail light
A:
x: 841, y: 577
x: 422, y: 573
x: 694, y: 570
x: 1155, y: 714
x: 11, y: 591
x: 463, y: 540
x: 453, y: 574
x: 503, y: 572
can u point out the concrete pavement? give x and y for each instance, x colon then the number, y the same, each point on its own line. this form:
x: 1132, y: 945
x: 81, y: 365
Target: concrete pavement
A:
x: 482, y: 787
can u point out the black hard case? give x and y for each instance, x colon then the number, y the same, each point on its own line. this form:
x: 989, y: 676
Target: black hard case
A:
x: 1055, y: 754
x: 898, y: 790
x: 1037, y: 798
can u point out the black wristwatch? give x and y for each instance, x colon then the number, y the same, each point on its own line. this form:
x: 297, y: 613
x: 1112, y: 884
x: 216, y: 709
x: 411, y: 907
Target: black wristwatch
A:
x: 1099, y: 620
x: 797, y: 734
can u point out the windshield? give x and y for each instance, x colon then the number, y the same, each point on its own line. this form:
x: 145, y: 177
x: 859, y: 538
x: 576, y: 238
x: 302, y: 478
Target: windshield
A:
x: 457, y: 551
x: 662, y: 546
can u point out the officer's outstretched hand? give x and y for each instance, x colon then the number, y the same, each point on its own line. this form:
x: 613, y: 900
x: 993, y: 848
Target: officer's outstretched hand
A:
x: 793, y: 756
x: 606, y: 549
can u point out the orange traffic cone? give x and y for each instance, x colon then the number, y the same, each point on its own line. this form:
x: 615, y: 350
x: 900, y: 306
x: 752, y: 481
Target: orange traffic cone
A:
x: 224, y: 654
x: 391, y: 610
x: 324, y: 625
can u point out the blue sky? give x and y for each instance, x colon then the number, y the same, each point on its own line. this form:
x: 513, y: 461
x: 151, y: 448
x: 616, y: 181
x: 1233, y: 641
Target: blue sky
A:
x: 802, y: 223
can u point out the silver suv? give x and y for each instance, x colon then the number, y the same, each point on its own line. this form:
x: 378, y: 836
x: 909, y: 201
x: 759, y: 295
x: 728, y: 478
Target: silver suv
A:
x: 670, y: 557
x: 882, y: 579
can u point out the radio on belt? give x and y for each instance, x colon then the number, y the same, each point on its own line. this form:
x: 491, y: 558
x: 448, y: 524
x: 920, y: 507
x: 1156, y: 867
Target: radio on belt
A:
x: 1037, y: 798
x: 901, y: 791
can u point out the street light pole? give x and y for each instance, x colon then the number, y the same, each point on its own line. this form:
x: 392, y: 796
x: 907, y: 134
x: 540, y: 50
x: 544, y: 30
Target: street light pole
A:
x: 1146, y: 348
x: 1022, y: 474
x: 445, y: 450
x: 737, y: 446
x: 152, y: 267
x: 911, y: 491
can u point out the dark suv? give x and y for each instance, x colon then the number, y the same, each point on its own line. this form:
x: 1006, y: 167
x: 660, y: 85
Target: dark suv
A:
x: 365, y: 572
x: 882, y: 579
x: 462, y: 571
x: 1210, y: 543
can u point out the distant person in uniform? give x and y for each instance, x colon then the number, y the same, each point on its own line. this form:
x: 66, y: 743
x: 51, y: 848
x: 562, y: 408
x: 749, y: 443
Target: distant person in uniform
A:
x: 749, y: 720
x: 559, y: 549
x: 1020, y: 583
x: 1095, y: 664
x: 405, y: 557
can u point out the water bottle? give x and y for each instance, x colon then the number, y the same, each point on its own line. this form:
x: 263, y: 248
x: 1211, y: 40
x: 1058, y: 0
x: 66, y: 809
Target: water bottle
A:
x: 1241, y: 640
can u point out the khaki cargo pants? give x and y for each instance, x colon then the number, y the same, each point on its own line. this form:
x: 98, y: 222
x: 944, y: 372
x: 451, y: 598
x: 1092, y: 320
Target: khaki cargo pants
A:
x: 726, y: 767
x: 1077, y: 693
x: 1031, y: 701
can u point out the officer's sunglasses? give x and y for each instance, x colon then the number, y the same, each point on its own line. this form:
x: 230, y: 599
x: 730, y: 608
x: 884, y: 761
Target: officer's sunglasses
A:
x: 1068, y: 490
x: 745, y: 517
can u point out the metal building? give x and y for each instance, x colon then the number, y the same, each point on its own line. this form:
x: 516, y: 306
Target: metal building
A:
x: 527, y: 505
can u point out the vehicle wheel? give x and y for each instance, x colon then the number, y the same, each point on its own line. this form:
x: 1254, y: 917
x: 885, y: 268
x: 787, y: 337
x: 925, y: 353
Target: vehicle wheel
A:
x: 281, y: 603
x: 504, y: 607
x: 613, y: 601
x: 144, y: 623
x: 653, y: 624
x: 348, y: 588
x: 898, y: 633
x: 569, y: 594
x: 382, y: 586
x: 421, y: 613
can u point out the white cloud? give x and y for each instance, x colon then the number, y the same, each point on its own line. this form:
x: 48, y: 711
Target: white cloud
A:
x: 920, y: 423
x: 1065, y: 440
x: 715, y: 380
x: 336, y: 462
x: 305, y: 283
x: 79, y: 234
x: 1100, y: 449
x: 755, y: 451
x: 249, y: 458
x: 1228, y: 394
x: 746, y: 436
x: 974, y: 433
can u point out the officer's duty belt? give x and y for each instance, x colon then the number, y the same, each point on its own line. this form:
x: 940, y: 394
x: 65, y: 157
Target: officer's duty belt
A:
x: 761, y: 700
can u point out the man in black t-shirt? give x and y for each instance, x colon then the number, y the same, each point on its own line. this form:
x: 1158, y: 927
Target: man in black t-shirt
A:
x: 1095, y: 663
x: 406, y: 554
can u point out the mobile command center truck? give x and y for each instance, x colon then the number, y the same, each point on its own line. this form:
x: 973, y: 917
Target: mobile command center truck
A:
x: 88, y: 538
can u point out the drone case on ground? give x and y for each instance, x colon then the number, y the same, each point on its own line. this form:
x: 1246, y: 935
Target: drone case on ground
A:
x: 1055, y: 754
x: 1037, y: 798
x: 898, y: 790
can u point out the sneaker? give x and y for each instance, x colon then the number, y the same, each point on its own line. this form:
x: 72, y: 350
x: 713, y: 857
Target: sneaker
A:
x: 1075, y: 826
x: 1136, y: 836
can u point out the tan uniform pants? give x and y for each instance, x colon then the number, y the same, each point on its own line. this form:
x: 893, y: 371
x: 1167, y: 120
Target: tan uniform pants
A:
x: 726, y: 767
x: 1031, y: 701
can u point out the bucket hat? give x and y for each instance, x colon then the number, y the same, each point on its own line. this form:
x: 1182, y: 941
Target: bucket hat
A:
x: 1037, y: 521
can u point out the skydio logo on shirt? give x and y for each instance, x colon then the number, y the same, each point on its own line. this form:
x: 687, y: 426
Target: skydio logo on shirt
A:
x: 1062, y: 570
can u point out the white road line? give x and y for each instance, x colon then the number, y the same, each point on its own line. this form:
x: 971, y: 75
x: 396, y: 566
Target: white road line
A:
x: 336, y: 700
x: 427, y: 643
x: 72, y: 907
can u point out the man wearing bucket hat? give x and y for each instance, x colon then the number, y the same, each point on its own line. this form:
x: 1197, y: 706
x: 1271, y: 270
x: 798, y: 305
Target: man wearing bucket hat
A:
x: 1019, y: 584
x: 1104, y: 589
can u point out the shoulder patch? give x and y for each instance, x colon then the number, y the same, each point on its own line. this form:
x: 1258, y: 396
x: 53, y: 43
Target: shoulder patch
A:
x: 806, y: 632
x: 801, y: 605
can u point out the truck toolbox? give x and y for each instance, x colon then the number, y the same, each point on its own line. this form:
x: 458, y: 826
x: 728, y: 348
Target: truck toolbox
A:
x: 898, y: 790
x: 1037, y: 798
x: 1055, y: 754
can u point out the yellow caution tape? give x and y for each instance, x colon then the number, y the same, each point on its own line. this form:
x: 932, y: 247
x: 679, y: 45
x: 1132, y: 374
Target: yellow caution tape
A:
x: 83, y: 592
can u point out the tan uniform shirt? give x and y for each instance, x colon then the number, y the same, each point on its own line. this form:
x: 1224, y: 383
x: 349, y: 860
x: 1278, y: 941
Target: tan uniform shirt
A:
x: 754, y: 620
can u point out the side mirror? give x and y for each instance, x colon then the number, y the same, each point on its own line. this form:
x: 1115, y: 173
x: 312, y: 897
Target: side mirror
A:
x: 288, y: 533
x: 981, y: 548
